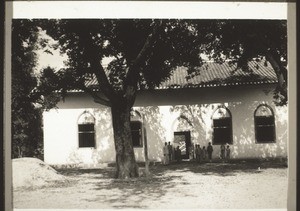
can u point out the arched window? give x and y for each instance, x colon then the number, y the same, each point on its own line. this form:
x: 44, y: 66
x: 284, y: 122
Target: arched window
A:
x: 222, y: 126
x: 137, y: 130
x: 86, y: 130
x: 264, y: 124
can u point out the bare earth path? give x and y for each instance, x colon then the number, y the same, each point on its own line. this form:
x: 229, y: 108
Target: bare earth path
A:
x: 184, y: 185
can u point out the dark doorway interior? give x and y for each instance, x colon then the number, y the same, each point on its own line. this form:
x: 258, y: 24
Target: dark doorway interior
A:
x: 183, y: 140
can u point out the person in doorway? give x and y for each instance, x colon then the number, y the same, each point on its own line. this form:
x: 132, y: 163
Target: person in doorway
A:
x: 227, y: 152
x: 178, y: 154
x: 170, y: 151
x: 204, y: 153
x: 209, y: 151
x: 200, y: 153
x: 191, y: 152
x: 166, y: 154
x: 196, y: 152
x: 222, y: 147
x: 173, y: 153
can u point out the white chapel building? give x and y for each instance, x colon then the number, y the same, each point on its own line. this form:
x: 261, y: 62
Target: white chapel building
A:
x: 221, y: 105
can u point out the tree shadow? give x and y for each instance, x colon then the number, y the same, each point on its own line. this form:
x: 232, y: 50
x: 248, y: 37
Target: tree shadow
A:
x: 135, y: 190
x: 104, y: 172
x: 219, y: 168
x: 160, y: 127
x: 130, y: 193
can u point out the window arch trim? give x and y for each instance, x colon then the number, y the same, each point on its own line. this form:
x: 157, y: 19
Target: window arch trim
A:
x: 263, y: 105
x: 221, y: 106
x: 86, y: 112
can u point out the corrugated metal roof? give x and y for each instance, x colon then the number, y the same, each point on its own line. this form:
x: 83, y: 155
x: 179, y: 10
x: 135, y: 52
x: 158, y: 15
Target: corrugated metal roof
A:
x: 213, y: 74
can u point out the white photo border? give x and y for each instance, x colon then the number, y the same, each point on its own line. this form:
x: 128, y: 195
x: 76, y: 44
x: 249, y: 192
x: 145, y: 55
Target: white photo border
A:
x: 154, y: 9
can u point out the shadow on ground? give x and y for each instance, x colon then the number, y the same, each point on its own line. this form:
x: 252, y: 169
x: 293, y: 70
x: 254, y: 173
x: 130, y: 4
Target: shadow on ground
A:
x: 119, y: 192
x: 220, y: 168
x: 135, y: 190
x: 104, y: 172
x: 217, y: 167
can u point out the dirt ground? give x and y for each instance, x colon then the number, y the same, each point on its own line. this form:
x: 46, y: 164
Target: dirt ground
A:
x: 238, y: 185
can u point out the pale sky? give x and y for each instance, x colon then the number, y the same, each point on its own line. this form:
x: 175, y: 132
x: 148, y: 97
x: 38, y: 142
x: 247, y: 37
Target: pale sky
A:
x: 45, y: 59
x: 56, y: 60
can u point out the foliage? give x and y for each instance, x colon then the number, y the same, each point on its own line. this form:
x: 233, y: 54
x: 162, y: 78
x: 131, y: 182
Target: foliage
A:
x: 23, y: 62
x: 129, y: 45
x: 156, y: 47
x: 27, y: 136
x: 240, y: 41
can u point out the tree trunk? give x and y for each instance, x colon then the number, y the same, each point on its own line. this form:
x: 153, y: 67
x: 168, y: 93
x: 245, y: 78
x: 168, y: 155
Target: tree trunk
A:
x: 126, y: 165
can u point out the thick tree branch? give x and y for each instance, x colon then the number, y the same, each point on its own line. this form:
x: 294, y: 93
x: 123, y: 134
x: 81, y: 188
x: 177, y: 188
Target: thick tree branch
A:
x: 132, y: 76
x: 93, y: 55
x: 96, y: 97
x: 272, y: 56
x: 280, y: 72
x: 147, y: 46
x: 136, y: 63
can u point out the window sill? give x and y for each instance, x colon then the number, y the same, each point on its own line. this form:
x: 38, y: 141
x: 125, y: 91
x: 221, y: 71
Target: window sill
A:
x: 266, y: 142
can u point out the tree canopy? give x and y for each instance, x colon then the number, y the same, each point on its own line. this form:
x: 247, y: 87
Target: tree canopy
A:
x: 142, y: 52
x: 156, y: 47
x: 240, y: 41
x: 24, y: 115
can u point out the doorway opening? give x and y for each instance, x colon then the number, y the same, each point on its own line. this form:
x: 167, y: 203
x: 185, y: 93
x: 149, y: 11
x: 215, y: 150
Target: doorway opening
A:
x: 183, y: 140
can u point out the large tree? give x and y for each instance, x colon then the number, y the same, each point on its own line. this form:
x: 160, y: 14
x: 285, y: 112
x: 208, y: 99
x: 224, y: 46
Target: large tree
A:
x: 142, y: 53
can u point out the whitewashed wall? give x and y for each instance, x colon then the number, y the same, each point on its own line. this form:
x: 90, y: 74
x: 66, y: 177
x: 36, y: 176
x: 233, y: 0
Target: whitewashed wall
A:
x: 161, y: 111
x: 61, y: 137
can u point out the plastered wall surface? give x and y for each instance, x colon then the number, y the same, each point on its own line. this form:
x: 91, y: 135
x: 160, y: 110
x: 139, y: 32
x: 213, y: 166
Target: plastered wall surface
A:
x: 165, y: 112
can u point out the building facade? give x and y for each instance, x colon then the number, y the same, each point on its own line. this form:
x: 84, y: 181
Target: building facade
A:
x: 216, y: 106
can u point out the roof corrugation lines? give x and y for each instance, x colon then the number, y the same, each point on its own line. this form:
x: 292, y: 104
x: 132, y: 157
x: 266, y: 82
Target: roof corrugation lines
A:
x: 213, y: 74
